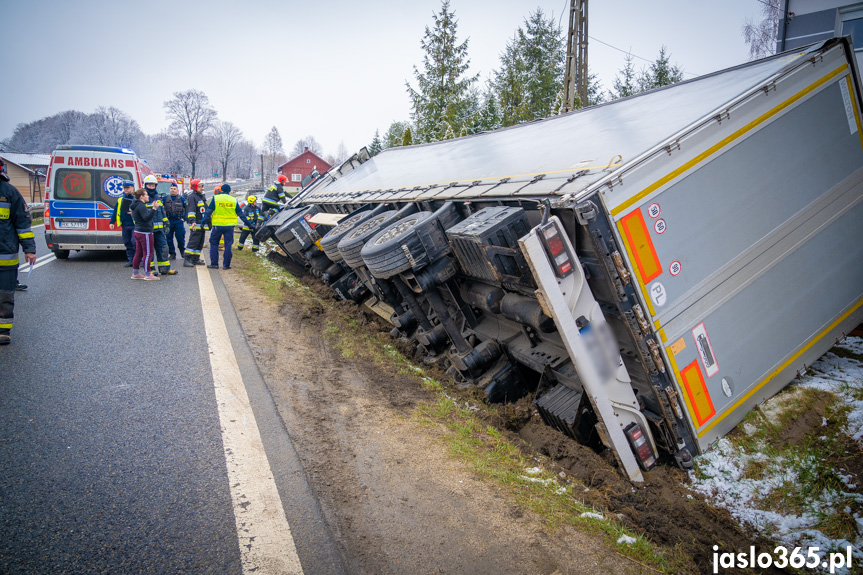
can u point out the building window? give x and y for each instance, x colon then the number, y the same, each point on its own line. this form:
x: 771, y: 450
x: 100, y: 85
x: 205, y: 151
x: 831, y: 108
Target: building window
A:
x: 851, y: 24
x: 296, y: 177
x: 308, y: 161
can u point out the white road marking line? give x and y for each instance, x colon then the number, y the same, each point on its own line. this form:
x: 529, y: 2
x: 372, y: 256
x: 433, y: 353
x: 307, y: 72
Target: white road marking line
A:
x: 266, y: 544
x: 39, y: 262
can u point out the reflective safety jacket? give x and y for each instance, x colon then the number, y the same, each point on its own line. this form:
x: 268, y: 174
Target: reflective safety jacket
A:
x: 275, y: 194
x: 253, y: 215
x: 15, y: 229
x: 160, y: 219
x: 122, y: 213
x: 196, y: 206
x: 224, y: 211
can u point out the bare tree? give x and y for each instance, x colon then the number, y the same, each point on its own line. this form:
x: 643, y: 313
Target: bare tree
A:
x: 273, y: 151
x: 341, y: 154
x: 308, y: 142
x: 228, y: 137
x: 192, y: 116
x: 111, y: 127
x: 762, y: 36
x: 246, y: 160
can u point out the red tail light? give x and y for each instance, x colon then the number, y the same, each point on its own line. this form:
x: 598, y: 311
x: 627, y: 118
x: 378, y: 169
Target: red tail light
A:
x: 640, y: 446
x: 557, y: 251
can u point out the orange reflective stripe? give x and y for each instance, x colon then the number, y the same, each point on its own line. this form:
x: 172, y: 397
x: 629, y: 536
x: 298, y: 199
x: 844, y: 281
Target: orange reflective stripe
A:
x: 696, y: 389
x: 638, y: 238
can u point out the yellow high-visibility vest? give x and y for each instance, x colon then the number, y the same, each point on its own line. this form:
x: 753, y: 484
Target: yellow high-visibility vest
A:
x: 225, y: 213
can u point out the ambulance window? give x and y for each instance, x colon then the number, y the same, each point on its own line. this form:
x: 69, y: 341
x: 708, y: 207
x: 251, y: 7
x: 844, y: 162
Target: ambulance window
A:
x: 111, y: 185
x: 73, y: 185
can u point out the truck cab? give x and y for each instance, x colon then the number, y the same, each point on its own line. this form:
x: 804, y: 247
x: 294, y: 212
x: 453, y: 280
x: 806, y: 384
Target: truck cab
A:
x: 83, y: 186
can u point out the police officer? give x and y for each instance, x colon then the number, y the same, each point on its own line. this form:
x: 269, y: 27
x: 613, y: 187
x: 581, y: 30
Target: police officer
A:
x: 196, y: 206
x: 160, y: 222
x: 253, y: 215
x: 123, y: 218
x: 275, y: 196
x: 223, y: 212
x: 175, y: 208
x: 14, y: 232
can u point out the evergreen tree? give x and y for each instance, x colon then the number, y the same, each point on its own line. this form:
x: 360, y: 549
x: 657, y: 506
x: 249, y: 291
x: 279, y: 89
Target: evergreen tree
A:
x: 375, y: 147
x: 659, y: 73
x: 544, y: 56
x: 489, y: 116
x: 441, y: 97
x: 463, y: 132
x: 509, y: 83
x: 394, y: 134
x: 624, y: 83
x: 407, y: 138
x: 448, y: 132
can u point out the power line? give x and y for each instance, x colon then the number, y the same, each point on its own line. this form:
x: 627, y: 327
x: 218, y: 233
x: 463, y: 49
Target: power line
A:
x: 629, y: 52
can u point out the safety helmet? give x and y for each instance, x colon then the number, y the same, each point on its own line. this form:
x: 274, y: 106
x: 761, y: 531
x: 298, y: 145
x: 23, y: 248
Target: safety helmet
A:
x: 151, y: 179
x: 196, y: 185
x: 217, y: 189
x: 282, y: 178
x: 252, y: 199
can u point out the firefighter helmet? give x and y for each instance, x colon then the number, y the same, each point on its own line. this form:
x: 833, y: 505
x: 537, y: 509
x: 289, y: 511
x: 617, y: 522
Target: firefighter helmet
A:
x: 197, y: 186
x: 252, y: 199
x: 283, y: 179
x: 151, y: 179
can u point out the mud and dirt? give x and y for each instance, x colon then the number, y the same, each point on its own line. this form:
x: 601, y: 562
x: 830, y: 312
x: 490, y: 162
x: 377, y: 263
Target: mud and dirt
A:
x: 398, y: 503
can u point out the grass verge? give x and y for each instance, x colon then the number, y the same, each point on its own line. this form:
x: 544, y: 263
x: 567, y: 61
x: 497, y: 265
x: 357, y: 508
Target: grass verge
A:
x: 461, y: 421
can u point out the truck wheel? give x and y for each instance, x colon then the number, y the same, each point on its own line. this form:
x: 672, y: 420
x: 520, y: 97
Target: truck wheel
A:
x: 61, y: 254
x: 330, y: 242
x: 411, y: 243
x: 352, y: 243
x: 397, y: 247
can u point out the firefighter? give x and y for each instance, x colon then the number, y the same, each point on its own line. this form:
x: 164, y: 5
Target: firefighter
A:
x: 162, y: 265
x: 253, y: 214
x: 175, y: 209
x: 196, y: 206
x: 123, y: 218
x: 275, y: 196
x: 222, y: 213
x: 14, y: 232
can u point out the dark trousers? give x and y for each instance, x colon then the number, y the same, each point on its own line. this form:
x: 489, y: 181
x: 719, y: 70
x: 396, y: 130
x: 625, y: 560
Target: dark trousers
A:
x: 160, y: 244
x: 177, y: 231
x: 129, y: 242
x: 256, y: 243
x: 217, y: 234
x: 143, y: 251
x: 195, y: 243
x: 8, y: 279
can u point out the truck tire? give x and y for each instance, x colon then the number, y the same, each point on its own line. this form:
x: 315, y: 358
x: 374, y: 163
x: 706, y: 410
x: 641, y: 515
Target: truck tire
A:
x: 352, y: 243
x: 410, y: 243
x: 330, y: 242
x: 61, y: 254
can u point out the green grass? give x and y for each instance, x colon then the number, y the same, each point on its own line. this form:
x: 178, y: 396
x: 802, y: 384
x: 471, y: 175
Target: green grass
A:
x: 37, y: 221
x: 461, y: 422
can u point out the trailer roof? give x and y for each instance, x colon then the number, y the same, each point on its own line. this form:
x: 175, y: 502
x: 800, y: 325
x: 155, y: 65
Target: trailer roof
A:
x: 540, y: 158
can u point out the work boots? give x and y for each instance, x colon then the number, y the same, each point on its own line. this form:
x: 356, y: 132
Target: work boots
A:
x: 187, y: 262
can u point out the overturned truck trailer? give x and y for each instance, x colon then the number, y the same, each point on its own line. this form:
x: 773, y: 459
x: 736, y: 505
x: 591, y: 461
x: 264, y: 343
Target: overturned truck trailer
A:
x: 651, y: 268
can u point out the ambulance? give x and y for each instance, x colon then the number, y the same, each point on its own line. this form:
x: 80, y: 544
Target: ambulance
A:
x: 83, y: 186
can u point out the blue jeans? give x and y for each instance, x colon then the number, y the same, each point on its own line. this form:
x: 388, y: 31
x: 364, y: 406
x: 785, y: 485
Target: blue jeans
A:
x: 217, y: 234
x: 176, y: 230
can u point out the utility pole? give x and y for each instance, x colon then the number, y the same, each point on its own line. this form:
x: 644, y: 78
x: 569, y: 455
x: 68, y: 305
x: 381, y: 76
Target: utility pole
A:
x: 575, y: 76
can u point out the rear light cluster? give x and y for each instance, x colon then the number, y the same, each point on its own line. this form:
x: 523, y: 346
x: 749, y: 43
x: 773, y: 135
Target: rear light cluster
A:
x: 556, y: 249
x: 640, y: 446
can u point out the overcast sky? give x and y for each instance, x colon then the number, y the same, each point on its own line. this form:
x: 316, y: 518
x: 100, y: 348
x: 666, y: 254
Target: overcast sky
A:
x: 334, y: 69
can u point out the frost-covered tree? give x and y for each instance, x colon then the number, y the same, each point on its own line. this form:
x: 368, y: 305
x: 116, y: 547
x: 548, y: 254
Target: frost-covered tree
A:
x: 441, y: 98
x: 341, y: 155
x: 659, y: 73
x: 625, y: 83
x: 489, y: 114
x: 394, y: 134
x: 376, y: 145
x: 308, y: 142
x: 227, y: 137
x: 407, y: 137
x: 273, y: 152
x: 529, y: 80
x: 191, y: 117
x: 762, y: 36
x: 111, y: 127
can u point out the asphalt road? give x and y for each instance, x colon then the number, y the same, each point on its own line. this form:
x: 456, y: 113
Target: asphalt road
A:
x: 111, y: 453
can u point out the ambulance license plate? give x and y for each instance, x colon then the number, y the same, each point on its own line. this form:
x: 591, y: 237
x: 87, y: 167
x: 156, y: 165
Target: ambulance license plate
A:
x: 73, y: 224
